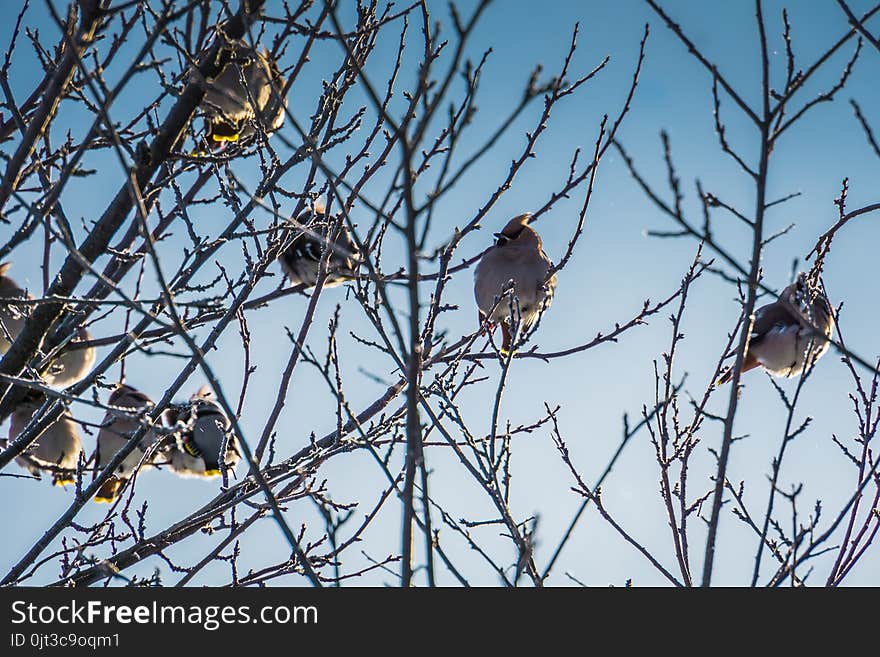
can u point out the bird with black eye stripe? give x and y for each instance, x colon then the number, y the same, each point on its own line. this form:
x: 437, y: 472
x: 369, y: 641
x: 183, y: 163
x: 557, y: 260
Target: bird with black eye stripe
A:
x: 302, y: 260
x: 517, y: 261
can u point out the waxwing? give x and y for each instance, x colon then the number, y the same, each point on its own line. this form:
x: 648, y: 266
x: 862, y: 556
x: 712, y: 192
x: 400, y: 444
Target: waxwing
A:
x: 72, y: 364
x: 56, y: 450
x: 782, y: 341
x: 249, y: 88
x: 128, y: 407
x: 203, y: 430
x: 301, y: 261
x: 517, y: 261
x: 12, y: 316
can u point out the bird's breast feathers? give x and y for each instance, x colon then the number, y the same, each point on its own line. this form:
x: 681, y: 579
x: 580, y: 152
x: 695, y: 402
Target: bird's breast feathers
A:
x: 528, y: 271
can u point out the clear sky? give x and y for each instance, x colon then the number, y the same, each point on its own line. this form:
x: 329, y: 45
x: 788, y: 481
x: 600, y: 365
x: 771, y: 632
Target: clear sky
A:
x: 614, y: 269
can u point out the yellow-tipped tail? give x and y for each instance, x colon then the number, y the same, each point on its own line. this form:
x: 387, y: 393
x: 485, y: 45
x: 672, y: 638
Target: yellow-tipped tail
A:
x: 212, y: 472
x: 108, y: 491
x: 221, y: 138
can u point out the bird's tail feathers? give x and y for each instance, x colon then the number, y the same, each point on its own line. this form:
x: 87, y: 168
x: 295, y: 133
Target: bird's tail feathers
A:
x: 749, y: 363
x: 109, y: 490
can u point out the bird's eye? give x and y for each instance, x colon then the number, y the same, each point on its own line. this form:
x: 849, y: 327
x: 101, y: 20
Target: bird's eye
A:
x: 502, y: 240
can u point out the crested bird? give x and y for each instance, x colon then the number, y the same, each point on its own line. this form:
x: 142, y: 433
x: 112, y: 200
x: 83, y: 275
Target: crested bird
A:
x: 516, y: 263
x: 203, y: 431
x: 249, y: 88
x: 783, y: 340
x: 124, y: 417
x: 56, y: 450
x: 301, y: 261
x: 12, y: 315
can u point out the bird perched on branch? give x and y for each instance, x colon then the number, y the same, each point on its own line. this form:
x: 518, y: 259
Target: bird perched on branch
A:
x: 73, y: 363
x: 12, y: 315
x: 203, y: 433
x: 516, y: 262
x: 783, y: 339
x: 70, y: 365
x: 248, y: 89
x: 302, y: 260
x: 56, y: 450
x: 125, y: 416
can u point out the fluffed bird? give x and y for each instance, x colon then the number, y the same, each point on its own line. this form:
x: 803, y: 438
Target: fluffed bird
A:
x: 203, y: 430
x: 56, y: 450
x: 272, y: 113
x: 12, y: 315
x: 302, y: 260
x: 72, y: 364
x: 247, y: 89
x: 782, y: 340
x: 125, y: 416
x: 517, y: 256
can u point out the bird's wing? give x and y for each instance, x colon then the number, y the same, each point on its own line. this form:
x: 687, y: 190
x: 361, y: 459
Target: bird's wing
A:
x: 768, y: 317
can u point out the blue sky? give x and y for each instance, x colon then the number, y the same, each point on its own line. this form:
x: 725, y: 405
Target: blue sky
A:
x: 614, y: 269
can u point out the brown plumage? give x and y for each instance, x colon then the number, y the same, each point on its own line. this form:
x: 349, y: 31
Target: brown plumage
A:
x: 12, y: 315
x: 56, y: 450
x: 517, y: 255
x: 123, y: 418
x: 780, y: 342
x: 202, y: 431
x: 301, y: 261
x: 69, y: 365
x: 72, y: 364
x: 248, y: 89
